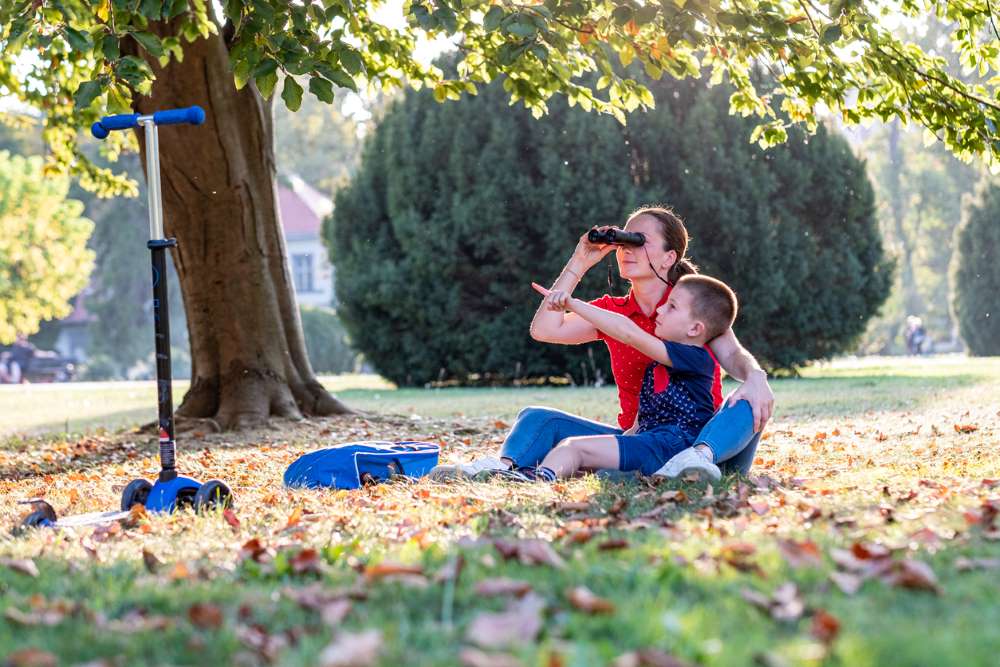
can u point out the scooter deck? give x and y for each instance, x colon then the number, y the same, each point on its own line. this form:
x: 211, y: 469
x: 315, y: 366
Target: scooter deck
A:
x: 90, y: 519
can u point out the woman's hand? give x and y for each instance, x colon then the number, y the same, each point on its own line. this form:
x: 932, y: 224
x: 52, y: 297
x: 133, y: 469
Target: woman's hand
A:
x: 757, y: 392
x: 587, y: 254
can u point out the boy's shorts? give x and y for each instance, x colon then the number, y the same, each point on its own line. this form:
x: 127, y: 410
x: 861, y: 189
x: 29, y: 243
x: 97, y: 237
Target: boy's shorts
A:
x: 649, y: 450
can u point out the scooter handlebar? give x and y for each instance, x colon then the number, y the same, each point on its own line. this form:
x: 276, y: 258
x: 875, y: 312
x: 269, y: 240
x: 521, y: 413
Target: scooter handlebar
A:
x: 192, y: 115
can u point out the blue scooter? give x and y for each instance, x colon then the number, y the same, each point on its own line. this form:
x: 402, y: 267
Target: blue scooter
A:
x: 170, y: 491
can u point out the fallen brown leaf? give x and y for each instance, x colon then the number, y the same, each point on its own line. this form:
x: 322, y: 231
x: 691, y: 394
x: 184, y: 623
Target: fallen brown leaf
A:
x: 800, y: 554
x: 825, y: 627
x: 847, y: 582
x: 613, y: 545
x: 388, y: 569
x: 40, y: 617
x: 530, y: 552
x: 784, y: 604
x: 151, y: 562
x: 260, y: 641
x: 352, y: 649
x: 502, y: 586
x: 913, y: 574
x: 306, y: 561
x: 205, y: 615
x: 332, y: 606
x: 583, y: 599
x: 519, y: 623
x: 253, y: 550
x: 966, y: 564
x: 31, y: 657
x: 24, y: 566
x: 230, y: 516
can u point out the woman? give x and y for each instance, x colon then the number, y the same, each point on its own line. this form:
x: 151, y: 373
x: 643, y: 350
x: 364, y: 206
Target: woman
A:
x: 652, y: 269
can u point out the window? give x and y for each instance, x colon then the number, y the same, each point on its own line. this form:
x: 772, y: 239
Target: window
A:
x: 302, y: 273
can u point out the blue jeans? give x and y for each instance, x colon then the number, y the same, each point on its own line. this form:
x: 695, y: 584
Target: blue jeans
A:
x: 536, y: 431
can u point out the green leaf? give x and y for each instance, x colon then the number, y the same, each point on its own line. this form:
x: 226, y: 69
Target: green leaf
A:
x: 266, y: 66
x: 241, y: 74
x: 830, y: 33
x: 523, y: 30
x: 109, y: 47
x: 177, y: 7
x: 291, y: 93
x: 86, y: 92
x: 321, y: 88
x: 266, y: 83
x: 152, y: 9
x: 343, y: 80
x: 540, y: 52
x: 622, y: 14
x: 352, y: 62
x: 493, y: 17
x: 150, y: 42
x: 78, y: 40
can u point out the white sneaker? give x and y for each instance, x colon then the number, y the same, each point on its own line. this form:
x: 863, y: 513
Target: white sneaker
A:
x: 444, y: 473
x: 690, y: 461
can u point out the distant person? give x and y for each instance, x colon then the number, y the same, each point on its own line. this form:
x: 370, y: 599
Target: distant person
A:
x: 21, y: 354
x: 6, y: 373
x: 916, y: 335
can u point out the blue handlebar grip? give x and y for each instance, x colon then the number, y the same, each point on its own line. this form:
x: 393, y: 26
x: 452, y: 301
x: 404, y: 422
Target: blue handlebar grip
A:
x: 194, y: 115
x: 124, y: 121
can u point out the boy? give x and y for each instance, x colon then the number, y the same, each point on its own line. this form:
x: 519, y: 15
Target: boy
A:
x: 674, y: 404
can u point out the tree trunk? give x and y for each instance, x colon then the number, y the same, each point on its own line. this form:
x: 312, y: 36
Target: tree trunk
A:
x: 220, y: 202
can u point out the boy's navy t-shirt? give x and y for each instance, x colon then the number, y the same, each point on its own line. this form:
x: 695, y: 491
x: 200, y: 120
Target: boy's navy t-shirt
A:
x: 686, y: 401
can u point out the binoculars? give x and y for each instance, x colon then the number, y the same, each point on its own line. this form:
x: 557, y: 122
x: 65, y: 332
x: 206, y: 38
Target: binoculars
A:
x: 616, y: 237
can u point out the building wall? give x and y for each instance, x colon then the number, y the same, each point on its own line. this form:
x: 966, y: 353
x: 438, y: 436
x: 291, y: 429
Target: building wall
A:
x: 308, y: 262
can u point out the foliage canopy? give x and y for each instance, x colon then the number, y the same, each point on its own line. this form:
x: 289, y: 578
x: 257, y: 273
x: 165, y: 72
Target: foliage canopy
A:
x: 77, y: 59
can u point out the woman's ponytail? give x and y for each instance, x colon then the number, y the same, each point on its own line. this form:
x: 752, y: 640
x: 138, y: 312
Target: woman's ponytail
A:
x: 682, y: 267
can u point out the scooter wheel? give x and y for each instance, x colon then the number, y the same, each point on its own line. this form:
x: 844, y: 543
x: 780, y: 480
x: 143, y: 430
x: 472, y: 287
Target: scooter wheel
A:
x: 43, y: 515
x: 137, y: 491
x: 212, y: 494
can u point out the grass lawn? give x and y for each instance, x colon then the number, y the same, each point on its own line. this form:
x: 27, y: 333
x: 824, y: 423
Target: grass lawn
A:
x: 867, y: 534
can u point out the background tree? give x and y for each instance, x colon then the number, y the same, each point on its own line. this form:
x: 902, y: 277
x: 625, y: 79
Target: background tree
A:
x: 792, y: 229
x: 457, y: 208
x: 43, y: 259
x: 248, y: 356
x: 920, y: 191
x: 977, y: 274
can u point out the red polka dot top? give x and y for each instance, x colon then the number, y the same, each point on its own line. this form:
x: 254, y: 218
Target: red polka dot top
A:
x: 628, y: 365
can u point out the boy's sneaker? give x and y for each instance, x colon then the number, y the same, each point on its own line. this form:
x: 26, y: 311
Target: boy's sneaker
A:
x: 527, y: 474
x: 688, y: 462
x: 489, y: 464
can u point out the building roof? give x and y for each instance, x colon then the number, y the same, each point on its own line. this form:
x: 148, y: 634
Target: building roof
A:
x: 302, y: 208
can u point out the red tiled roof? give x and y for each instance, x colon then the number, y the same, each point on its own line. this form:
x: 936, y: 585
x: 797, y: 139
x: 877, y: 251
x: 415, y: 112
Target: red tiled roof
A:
x: 296, y: 216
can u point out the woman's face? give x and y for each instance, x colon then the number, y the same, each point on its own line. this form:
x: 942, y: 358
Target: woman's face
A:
x: 633, y: 263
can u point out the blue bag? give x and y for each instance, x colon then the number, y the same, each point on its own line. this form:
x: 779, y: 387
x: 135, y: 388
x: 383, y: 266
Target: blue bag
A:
x: 354, y: 464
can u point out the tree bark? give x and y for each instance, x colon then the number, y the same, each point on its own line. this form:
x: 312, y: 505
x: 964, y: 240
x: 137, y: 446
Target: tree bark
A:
x: 220, y: 202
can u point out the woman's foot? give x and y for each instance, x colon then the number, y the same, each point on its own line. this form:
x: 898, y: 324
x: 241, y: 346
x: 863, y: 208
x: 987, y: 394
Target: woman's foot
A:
x: 447, y: 473
x: 690, y: 462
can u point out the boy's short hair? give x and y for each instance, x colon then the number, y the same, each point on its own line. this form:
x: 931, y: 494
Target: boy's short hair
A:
x: 713, y: 303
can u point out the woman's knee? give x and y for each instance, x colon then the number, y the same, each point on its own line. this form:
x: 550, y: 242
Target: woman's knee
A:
x: 534, y: 412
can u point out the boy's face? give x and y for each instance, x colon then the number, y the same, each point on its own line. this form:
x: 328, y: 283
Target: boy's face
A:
x: 674, y: 319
